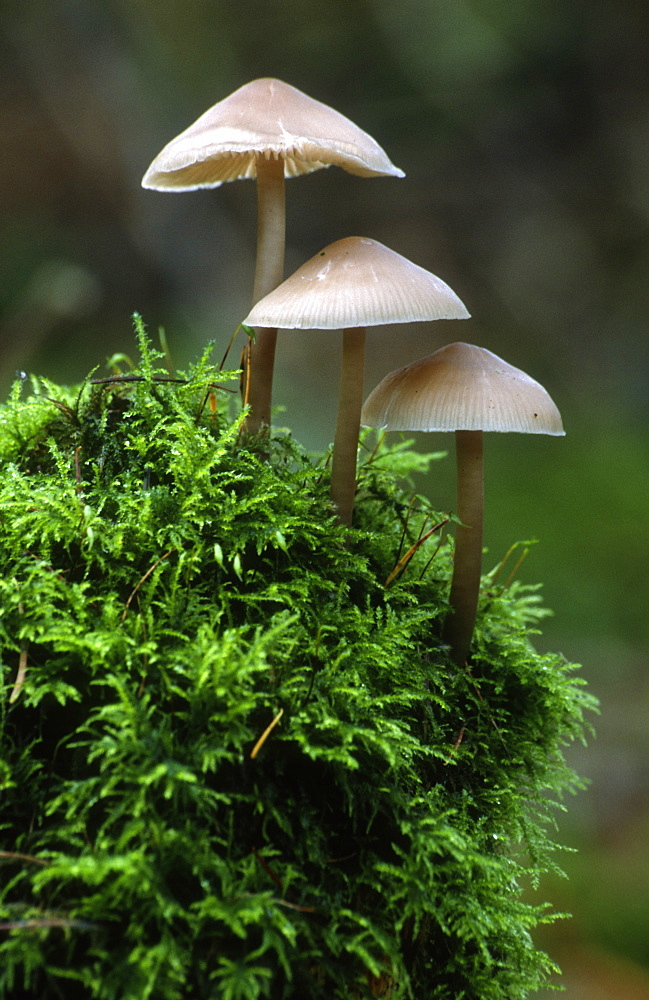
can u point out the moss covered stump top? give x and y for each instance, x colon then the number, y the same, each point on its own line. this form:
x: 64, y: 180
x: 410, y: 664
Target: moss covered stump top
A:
x: 234, y: 762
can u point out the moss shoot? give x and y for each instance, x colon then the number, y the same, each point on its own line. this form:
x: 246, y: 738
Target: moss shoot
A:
x: 236, y: 760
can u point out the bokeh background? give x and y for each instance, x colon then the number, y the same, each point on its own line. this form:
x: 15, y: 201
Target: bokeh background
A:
x: 523, y: 129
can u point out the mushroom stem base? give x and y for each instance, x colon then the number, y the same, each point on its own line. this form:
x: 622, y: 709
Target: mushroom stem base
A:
x: 348, y: 423
x: 467, y: 563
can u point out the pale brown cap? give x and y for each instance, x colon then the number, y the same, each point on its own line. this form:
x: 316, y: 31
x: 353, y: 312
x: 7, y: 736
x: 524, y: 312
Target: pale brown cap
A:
x: 356, y: 282
x: 461, y: 387
x: 269, y: 118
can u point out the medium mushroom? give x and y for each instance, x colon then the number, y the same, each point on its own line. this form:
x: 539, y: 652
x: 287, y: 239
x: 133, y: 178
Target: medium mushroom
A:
x: 351, y: 284
x: 266, y: 130
x: 468, y: 390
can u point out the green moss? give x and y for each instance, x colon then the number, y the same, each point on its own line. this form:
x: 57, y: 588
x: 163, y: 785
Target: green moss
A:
x: 174, y: 591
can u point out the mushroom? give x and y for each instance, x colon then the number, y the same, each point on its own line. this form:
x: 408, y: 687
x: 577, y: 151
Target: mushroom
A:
x: 468, y: 390
x: 351, y: 284
x: 266, y: 130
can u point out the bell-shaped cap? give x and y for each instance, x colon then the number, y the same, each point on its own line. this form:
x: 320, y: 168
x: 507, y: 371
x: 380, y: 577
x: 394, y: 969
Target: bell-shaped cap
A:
x: 356, y: 282
x: 265, y: 118
x: 461, y: 387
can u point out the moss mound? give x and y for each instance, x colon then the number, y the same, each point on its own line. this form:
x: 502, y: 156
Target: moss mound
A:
x: 234, y: 763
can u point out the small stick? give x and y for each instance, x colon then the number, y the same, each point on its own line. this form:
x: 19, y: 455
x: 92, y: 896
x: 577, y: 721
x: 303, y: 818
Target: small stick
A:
x: 516, y: 568
x: 379, y: 441
x: 501, y: 565
x: 165, y: 347
x: 266, y: 733
x: 411, y: 551
x: 22, y: 664
x: 405, y: 527
x: 294, y: 906
x: 437, y: 548
x: 17, y: 856
x: 136, y: 378
x: 20, y: 676
x: 281, y: 902
x: 143, y: 579
x: 460, y: 737
x: 77, y: 465
x: 16, y: 925
x: 250, y: 333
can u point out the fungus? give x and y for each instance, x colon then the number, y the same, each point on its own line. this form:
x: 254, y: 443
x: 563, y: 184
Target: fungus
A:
x: 468, y: 390
x: 266, y: 130
x: 351, y: 284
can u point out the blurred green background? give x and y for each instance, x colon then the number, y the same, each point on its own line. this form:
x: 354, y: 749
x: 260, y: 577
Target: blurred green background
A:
x: 523, y: 129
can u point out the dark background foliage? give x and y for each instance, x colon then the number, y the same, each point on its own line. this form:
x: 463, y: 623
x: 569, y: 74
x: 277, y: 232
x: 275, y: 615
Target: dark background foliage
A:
x: 523, y: 130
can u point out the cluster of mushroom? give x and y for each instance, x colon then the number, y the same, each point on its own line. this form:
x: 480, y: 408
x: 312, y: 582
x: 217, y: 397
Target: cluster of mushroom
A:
x: 268, y: 130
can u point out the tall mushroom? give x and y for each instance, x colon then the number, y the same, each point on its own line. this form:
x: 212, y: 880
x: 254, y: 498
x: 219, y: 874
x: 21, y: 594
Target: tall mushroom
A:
x: 468, y: 390
x: 266, y: 130
x: 351, y: 284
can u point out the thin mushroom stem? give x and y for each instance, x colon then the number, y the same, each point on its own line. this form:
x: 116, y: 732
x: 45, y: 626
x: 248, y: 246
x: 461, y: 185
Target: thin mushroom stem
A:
x: 269, y: 272
x: 467, y: 563
x: 348, y: 423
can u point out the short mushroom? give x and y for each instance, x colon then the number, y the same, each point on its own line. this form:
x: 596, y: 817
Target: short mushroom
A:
x: 266, y: 130
x: 468, y: 390
x: 351, y: 284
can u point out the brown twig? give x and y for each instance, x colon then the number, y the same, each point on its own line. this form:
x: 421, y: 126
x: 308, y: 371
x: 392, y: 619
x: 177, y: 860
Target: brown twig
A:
x: 136, y: 378
x: 30, y: 922
x: 17, y: 856
x: 77, y: 465
x: 20, y: 676
x: 437, y: 548
x: 460, y: 737
x: 516, y: 568
x: 379, y: 441
x: 267, y: 868
x: 405, y: 559
x: 278, y: 882
x: 405, y: 527
x: 22, y: 662
x: 266, y: 733
x: 143, y: 580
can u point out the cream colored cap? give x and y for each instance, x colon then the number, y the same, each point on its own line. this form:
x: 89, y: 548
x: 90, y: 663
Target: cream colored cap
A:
x: 461, y: 387
x: 356, y: 282
x: 269, y: 118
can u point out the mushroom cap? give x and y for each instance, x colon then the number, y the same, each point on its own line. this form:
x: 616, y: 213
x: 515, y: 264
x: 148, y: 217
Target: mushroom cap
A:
x: 461, y: 387
x: 265, y: 118
x: 356, y: 282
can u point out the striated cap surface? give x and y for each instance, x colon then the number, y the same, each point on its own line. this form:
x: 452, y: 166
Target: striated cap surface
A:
x: 356, y: 282
x: 265, y: 118
x: 461, y: 387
